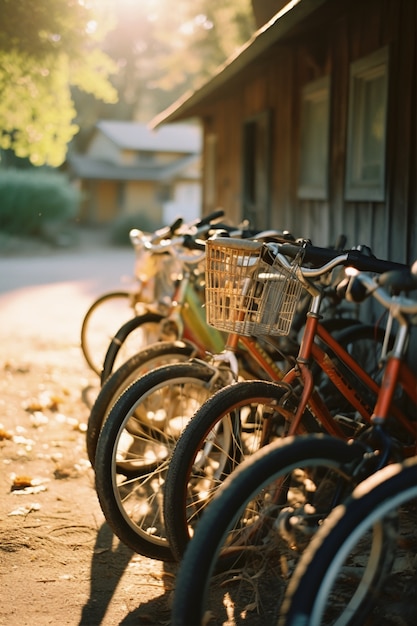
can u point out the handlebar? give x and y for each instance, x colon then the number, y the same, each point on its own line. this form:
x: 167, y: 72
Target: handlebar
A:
x: 363, y: 285
x: 325, y: 259
x: 391, y: 275
x: 192, y: 237
x: 212, y: 217
x: 170, y: 238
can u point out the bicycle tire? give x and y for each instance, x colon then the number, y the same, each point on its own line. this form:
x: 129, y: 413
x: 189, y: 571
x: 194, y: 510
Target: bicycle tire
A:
x: 258, y: 399
x: 133, y: 451
x: 120, y: 345
x: 101, y: 321
x: 336, y: 549
x: 156, y: 355
x: 219, y: 548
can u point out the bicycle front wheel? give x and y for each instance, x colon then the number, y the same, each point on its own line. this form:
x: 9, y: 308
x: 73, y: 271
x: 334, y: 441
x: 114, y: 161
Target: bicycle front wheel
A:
x: 340, y: 577
x: 135, y: 445
x: 251, y: 535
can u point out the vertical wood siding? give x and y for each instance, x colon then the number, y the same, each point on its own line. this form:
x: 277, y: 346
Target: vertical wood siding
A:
x: 339, y: 34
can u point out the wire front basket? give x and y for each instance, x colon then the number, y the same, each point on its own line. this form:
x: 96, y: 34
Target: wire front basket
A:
x: 246, y: 294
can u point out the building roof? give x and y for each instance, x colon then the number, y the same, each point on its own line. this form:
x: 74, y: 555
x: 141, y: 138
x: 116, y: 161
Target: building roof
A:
x: 89, y: 168
x: 273, y: 31
x: 183, y: 138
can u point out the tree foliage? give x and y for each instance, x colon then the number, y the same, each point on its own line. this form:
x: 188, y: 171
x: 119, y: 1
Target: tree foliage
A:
x: 65, y: 63
x: 45, y: 48
x: 43, y: 26
x: 207, y: 32
x: 162, y: 49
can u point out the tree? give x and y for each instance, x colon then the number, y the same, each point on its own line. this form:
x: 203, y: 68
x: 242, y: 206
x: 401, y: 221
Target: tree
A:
x: 65, y: 63
x: 45, y: 49
x: 206, y: 33
x: 162, y: 49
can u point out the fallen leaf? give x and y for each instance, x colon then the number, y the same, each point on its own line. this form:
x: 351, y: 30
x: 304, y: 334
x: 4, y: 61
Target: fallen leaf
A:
x: 21, y: 482
x: 25, y: 510
x: 5, y: 434
x: 26, y: 485
x: 29, y: 490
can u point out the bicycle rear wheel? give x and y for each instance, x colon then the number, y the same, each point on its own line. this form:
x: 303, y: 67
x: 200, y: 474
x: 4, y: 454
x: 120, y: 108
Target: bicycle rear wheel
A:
x: 251, y: 535
x: 135, y: 445
x: 130, y: 338
x: 340, y: 577
x: 156, y: 355
x: 103, y: 319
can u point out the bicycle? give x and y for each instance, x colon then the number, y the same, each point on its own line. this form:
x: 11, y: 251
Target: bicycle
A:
x: 349, y: 360
x: 372, y: 508
x: 183, y: 317
x: 145, y: 304
x: 150, y: 415
x: 265, y: 512
x: 349, y: 568
x: 182, y: 332
x: 153, y: 410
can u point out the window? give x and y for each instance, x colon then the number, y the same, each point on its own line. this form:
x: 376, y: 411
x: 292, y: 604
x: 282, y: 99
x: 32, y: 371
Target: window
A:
x: 146, y: 156
x: 256, y: 170
x: 314, y: 155
x: 365, y: 167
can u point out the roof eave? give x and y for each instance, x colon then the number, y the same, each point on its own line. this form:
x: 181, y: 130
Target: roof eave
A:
x: 274, y: 30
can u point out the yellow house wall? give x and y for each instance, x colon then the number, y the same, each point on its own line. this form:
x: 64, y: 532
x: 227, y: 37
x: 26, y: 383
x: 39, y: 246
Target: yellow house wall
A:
x: 140, y: 198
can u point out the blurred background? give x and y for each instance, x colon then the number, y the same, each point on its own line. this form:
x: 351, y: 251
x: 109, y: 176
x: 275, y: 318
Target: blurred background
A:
x: 80, y: 82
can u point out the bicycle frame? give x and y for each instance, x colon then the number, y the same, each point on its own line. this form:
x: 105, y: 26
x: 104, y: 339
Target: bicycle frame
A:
x: 186, y: 318
x: 396, y: 373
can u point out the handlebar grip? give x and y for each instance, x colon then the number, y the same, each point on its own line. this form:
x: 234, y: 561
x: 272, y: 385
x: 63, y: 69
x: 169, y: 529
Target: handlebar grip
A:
x: 193, y: 244
x: 365, y: 263
x: 211, y: 217
x: 319, y: 256
x: 175, y: 226
x: 356, y: 291
x: 311, y: 254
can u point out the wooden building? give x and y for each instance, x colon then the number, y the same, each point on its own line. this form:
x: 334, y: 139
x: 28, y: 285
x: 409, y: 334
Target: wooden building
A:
x: 130, y: 170
x: 311, y: 126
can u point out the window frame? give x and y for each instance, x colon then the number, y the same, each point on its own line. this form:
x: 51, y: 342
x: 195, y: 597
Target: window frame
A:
x: 362, y: 73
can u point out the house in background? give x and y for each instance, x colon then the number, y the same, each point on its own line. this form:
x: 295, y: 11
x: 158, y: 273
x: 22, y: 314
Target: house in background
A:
x: 312, y: 125
x: 129, y: 169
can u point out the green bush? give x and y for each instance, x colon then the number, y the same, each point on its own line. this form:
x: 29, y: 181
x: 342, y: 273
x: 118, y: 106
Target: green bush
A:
x: 32, y: 200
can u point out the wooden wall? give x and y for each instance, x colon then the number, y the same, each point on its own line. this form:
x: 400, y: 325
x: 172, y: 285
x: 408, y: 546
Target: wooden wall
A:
x: 338, y: 34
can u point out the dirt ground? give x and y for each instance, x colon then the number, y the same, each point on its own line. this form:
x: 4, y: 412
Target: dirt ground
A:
x: 59, y: 562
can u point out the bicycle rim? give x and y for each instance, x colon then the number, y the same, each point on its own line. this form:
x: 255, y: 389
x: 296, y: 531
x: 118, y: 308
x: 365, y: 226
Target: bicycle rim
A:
x: 134, y: 448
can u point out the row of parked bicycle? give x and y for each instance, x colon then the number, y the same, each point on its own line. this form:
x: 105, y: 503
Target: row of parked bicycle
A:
x: 252, y: 428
